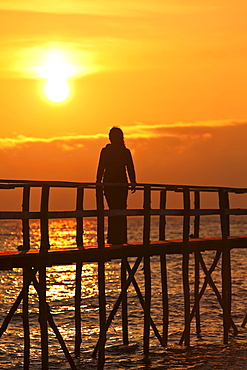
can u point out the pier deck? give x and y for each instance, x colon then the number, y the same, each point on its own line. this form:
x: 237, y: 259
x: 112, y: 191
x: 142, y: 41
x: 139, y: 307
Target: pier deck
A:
x: 90, y: 253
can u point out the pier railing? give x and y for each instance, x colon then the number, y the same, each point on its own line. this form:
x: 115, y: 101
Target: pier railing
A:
x: 154, y: 200
x: 190, y: 209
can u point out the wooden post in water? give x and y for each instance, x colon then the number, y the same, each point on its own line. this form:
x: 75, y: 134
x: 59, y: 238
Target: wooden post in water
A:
x: 43, y: 316
x: 44, y: 221
x: 25, y: 221
x: 26, y: 282
x: 78, y: 339
x: 162, y: 236
x: 196, y: 260
x: 147, y: 269
x: 186, y: 287
x: 124, y: 302
x: 45, y: 245
x: 101, y: 276
x: 79, y: 241
x: 164, y: 298
x: 226, y: 262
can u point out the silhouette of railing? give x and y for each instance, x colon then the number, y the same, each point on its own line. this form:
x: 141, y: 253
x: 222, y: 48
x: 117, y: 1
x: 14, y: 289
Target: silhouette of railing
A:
x: 190, y: 242
x: 147, y: 211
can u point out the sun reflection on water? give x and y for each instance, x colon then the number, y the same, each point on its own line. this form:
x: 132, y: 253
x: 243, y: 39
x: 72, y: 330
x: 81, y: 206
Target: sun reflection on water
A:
x: 61, y: 298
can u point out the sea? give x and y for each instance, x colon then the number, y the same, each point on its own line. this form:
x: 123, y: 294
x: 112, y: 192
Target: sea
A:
x: 206, y: 351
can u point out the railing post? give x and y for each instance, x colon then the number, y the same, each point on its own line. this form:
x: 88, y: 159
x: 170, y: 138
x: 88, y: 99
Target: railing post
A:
x: 147, y: 216
x: 226, y: 262
x: 196, y: 259
x: 162, y: 236
x: 147, y: 269
x: 224, y: 217
x: 79, y: 241
x: 100, y: 216
x: 186, y: 222
x: 25, y: 221
x: 186, y: 286
x: 162, y: 218
x: 44, y: 221
x: 79, y: 220
x: 197, y: 217
x: 101, y: 275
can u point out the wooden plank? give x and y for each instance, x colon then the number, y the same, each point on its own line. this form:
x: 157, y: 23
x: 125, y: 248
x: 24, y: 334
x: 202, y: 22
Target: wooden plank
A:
x: 147, y: 216
x: 54, y: 327
x: 226, y: 293
x: 44, y: 220
x: 203, y: 288
x: 224, y: 218
x: 102, y: 315
x: 26, y: 282
x: 138, y: 291
x: 13, y: 215
x: 119, y: 300
x: 186, y: 220
x: 64, y: 256
x: 196, y: 292
x: 43, y: 316
x: 124, y: 302
x: 162, y: 218
x: 25, y: 222
x: 165, y: 305
x: 79, y: 220
x: 147, y: 270
x: 78, y: 339
x: 197, y: 217
x: 186, y: 288
x: 100, y: 217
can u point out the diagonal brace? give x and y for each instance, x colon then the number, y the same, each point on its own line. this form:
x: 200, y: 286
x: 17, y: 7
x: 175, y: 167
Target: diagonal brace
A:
x: 119, y: 300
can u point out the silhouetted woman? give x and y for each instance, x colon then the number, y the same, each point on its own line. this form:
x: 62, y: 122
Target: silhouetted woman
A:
x: 114, y: 160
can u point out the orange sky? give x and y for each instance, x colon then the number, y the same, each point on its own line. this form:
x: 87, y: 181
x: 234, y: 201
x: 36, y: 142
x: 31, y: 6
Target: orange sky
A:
x: 171, y: 74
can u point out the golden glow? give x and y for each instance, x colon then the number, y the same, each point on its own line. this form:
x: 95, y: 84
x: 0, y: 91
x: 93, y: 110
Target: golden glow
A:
x: 56, y: 68
x: 56, y: 71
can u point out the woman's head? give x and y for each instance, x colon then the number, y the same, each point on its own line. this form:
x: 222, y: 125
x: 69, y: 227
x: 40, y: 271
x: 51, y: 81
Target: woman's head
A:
x: 116, y: 135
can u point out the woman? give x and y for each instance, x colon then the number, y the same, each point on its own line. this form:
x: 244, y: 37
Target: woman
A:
x: 114, y: 160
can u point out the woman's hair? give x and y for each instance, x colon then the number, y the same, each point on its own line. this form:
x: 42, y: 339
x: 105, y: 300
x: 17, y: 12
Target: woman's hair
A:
x: 116, y: 136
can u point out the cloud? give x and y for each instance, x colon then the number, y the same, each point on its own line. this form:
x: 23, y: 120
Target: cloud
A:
x: 109, y: 7
x: 63, y: 142
x: 136, y: 131
x: 141, y: 130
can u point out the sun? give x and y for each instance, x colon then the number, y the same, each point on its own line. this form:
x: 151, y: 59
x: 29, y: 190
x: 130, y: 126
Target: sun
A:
x: 56, y: 72
x: 57, y: 90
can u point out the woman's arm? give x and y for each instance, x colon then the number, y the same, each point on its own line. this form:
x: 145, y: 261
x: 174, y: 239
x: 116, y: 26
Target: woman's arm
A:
x: 131, y: 171
x: 101, y: 167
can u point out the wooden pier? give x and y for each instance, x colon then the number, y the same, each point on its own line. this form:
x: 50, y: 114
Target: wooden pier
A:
x: 34, y: 262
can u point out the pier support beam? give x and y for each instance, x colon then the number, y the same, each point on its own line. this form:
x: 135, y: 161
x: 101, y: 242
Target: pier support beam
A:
x: 43, y: 316
x: 226, y: 292
x: 124, y: 302
x: 102, y: 315
x: 26, y: 282
x: 78, y: 339
x: 164, y: 298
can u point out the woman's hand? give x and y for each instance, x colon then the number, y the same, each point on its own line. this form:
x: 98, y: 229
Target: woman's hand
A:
x: 133, y: 189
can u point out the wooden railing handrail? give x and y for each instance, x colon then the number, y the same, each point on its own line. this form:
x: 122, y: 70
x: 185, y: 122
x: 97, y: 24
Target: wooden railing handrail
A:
x: 224, y: 211
x: 168, y: 187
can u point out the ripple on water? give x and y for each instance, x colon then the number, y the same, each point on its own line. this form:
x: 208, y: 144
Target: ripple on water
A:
x: 205, y: 353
